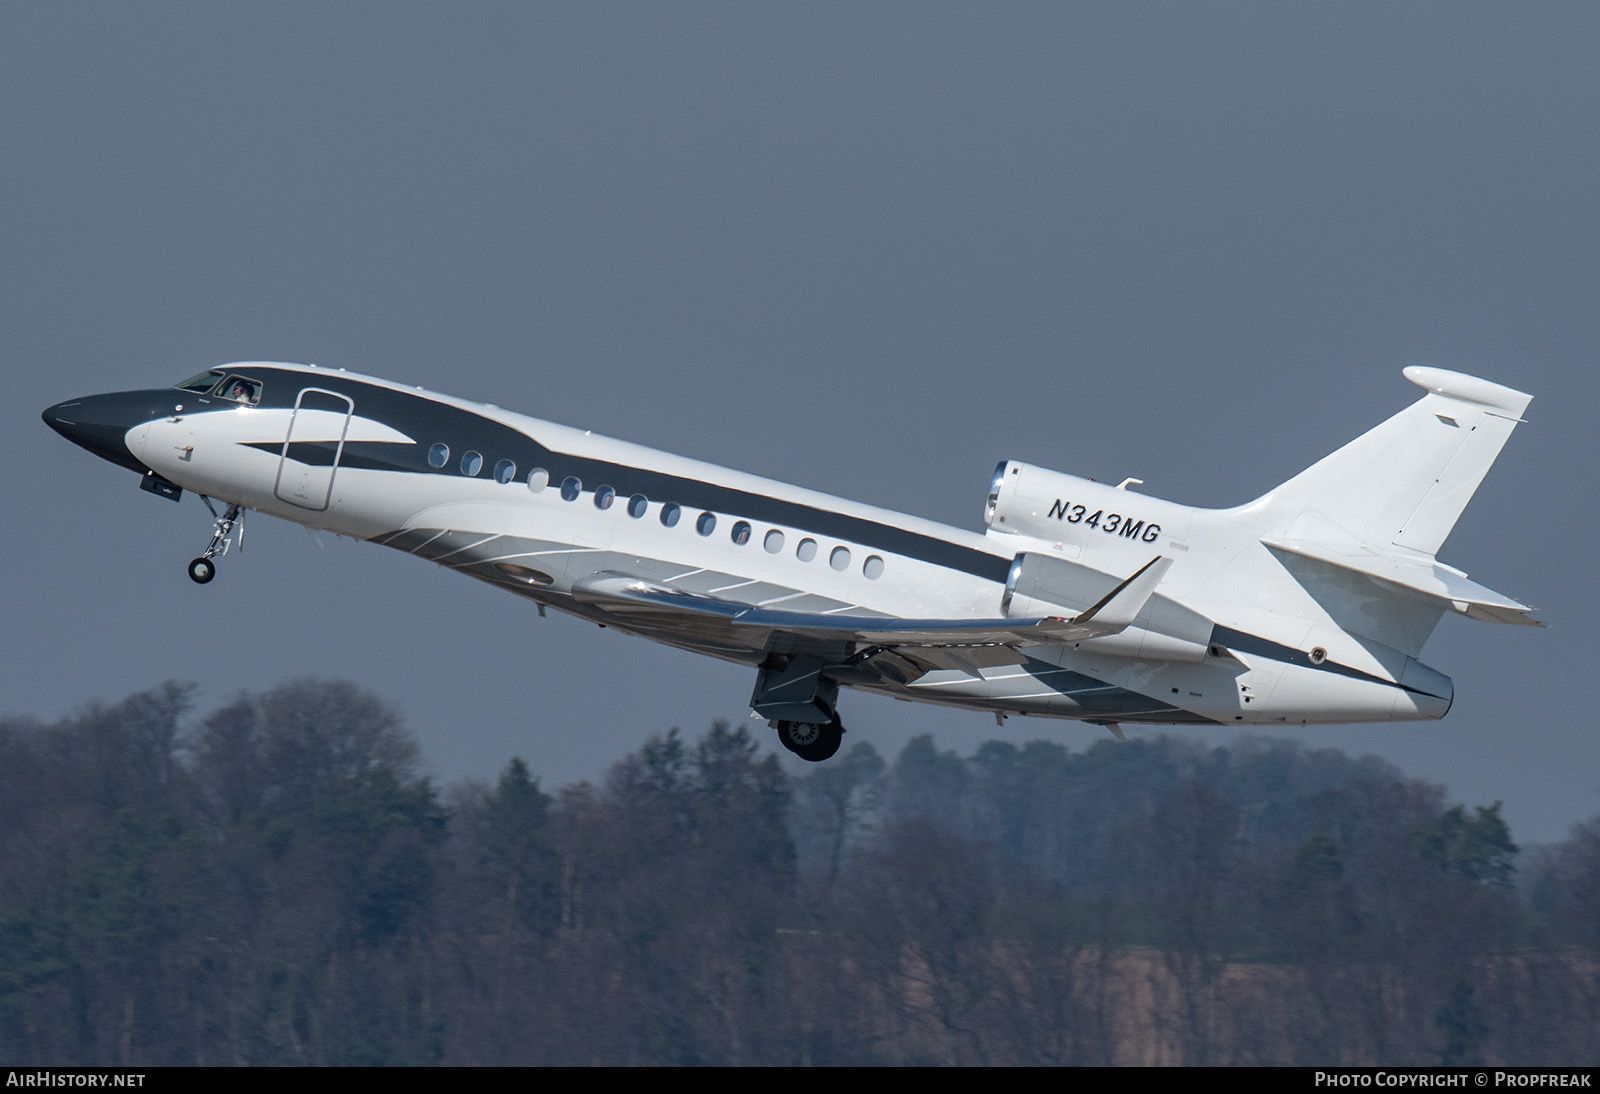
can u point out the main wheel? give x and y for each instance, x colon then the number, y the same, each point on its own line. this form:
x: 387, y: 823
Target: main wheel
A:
x: 797, y: 737
x: 202, y: 570
x: 812, y: 741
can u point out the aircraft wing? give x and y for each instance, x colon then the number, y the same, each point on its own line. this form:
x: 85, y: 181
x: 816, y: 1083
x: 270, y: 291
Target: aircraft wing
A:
x: 1432, y: 580
x: 653, y: 603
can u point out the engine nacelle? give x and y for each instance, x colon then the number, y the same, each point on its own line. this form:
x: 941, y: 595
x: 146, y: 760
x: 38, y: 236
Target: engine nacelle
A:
x: 1039, y: 585
x: 1093, y: 536
x: 1081, y: 518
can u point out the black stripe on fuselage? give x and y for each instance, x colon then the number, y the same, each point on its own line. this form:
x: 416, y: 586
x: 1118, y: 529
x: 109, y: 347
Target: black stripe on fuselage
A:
x: 1277, y: 651
x: 429, y: 421
x: 1112, y: 702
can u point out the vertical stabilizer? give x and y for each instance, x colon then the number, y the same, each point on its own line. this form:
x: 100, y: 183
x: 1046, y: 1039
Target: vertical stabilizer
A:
x: 1406, y: 482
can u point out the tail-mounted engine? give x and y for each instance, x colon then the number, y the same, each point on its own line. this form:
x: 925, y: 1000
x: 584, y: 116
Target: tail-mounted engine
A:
x: 1092, y: 537
x: 1080, y: 516
x: 1041, y: 585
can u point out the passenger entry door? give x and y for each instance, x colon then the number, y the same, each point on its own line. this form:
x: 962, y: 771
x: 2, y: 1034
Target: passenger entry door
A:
x: 312, y: 447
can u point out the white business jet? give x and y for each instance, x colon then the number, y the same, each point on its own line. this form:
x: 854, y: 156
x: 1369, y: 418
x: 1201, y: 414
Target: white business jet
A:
x: 1080, y: 600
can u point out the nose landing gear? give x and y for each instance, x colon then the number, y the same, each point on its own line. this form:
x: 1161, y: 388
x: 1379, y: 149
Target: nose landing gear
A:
x: 202, y: 569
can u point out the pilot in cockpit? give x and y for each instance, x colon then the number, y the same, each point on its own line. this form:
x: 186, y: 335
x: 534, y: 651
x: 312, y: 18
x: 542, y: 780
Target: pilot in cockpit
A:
x: 243, y: 391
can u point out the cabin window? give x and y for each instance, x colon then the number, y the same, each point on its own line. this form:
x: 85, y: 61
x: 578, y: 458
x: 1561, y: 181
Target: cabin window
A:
x: 741, y: 532
x: 603, y: 497
x: 670, y: 514
x: 471, y: 464
x: 706, y: 524
x: 773, y: 542
x: 571, y: 487
x: 637, y: 506
x: 872, y: 568
x: 806, y: 551
x: 840, y: 558
x: 504, y: 472
x: 201, y: 383
x: 438, y: 455
x: 538, y: 479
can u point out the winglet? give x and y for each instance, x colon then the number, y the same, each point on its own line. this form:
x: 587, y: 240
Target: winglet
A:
x: 1121, y: 606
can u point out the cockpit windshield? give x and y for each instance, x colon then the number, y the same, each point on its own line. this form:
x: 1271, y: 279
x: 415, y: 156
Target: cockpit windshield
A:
x: 201, y: 383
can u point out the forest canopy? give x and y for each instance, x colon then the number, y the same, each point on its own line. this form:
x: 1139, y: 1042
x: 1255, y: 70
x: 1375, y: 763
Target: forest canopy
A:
x: 275, y: 881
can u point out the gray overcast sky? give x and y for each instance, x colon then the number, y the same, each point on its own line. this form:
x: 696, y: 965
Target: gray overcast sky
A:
x: 868, y: 248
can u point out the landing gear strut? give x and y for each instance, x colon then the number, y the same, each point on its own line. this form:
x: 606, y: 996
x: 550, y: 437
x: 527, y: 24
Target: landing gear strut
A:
x: 813, y: 741
x: 202, y: 569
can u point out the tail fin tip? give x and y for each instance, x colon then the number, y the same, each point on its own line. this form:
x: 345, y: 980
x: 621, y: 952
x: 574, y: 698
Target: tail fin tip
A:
x: 1470, y: 389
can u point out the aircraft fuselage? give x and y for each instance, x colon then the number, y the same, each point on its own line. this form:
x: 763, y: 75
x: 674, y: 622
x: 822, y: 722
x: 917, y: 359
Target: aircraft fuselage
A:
x: 1234, y: 634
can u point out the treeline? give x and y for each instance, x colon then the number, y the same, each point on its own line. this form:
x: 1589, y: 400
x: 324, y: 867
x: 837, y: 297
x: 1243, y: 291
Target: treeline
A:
x: 274, y: 882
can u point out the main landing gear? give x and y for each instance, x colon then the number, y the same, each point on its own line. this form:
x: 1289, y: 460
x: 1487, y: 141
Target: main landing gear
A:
x: 799, y: 700
x: 813, y: 741
x: 202, y: 569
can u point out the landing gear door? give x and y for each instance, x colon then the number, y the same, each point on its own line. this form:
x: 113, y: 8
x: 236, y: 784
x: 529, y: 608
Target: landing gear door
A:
x: 312, y: 447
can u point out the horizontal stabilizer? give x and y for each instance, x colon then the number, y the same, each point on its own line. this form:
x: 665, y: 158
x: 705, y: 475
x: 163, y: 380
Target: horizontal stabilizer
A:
x: 648, y: 601
x: 1429, y: 579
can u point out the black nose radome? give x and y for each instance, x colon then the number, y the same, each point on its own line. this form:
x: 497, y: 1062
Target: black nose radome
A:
x: 100, y: 423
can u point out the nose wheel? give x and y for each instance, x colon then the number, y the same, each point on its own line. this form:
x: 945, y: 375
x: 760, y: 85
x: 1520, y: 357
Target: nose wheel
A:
x: 202, y: 569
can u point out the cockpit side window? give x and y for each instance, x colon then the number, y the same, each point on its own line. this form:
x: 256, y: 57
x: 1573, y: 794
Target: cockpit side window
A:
x: 241, y: 390
x: 201, y: 383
